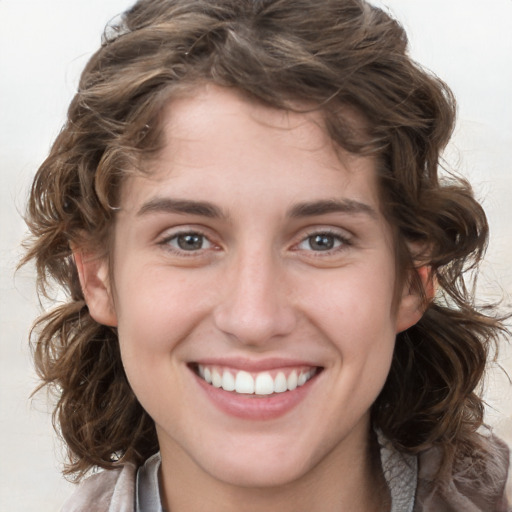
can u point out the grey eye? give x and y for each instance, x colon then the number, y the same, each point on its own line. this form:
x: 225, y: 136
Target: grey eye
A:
x: 321, y: 242
x: 190, y: 242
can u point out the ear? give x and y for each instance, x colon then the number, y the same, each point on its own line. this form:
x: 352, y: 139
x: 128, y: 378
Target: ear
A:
x: 414, y: 301
x: 94, y: 280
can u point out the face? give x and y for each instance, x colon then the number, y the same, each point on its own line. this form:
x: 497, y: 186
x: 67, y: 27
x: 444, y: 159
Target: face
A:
x: 253, y: 286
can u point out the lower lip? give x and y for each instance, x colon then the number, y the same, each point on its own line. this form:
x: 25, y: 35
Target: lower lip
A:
x: 254, y: 407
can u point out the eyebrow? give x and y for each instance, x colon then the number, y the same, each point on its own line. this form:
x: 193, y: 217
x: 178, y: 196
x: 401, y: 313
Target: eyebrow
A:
x: 300, y: 210
x: 350, y: 206
x: 183, y: 206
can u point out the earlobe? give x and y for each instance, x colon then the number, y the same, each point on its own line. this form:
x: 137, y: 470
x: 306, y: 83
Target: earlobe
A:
x: 414, y: 301
x: 94, y: 280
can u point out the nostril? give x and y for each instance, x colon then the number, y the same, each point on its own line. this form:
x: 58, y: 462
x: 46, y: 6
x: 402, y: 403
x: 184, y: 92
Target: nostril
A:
x: 255, y: 326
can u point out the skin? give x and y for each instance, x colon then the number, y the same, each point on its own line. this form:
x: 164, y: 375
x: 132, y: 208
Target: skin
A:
x: 257, y: 288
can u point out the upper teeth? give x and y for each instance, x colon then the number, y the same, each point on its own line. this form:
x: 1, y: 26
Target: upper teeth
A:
x: 259, y: 383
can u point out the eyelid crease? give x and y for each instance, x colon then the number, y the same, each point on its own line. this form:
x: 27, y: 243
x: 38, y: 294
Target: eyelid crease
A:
x: 164, y: 242
x: 185, y: 229
x: 328, y: 230
x: 343, y: 236
x: 346, y: 241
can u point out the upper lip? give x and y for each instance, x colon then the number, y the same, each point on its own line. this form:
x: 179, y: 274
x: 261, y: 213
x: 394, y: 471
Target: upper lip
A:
x: 255, y: 365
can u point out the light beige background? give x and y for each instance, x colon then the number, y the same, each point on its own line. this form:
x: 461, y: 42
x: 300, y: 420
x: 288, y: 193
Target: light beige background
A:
x: 43, y: 47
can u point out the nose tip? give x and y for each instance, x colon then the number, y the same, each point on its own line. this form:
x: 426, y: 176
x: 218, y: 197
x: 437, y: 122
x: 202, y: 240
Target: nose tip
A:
x: 255, y: 307
x: 256, y: 327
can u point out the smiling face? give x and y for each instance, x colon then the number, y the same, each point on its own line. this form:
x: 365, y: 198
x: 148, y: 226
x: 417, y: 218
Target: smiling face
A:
x: 254, y: 278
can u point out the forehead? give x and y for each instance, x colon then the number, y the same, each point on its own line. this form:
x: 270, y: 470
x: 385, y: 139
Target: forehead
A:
x: 217, y: 135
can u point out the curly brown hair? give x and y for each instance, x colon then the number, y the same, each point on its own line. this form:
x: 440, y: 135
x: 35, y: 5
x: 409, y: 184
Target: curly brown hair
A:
x: 326, y: 53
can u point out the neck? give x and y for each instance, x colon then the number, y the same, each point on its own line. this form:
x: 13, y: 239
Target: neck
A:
x: 349, y: 479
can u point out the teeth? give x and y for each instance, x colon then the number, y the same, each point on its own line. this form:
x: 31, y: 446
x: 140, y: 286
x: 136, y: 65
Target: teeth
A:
x: 228, y: 381
x: 244, y: 383
x: 292, y: 380
x: 262, y: 384
x: 280, y: 384
x: 216, y: 379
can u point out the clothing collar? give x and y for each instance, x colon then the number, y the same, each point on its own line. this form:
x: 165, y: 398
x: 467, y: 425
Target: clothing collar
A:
x: 400, y: 471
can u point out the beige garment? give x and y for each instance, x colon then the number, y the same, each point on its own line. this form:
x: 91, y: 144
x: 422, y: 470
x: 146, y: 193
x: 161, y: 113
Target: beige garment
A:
x: 106, y: 491
x: 477, y: 485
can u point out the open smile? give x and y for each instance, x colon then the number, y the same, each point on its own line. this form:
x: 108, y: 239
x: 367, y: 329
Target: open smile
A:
x: 255, y: 383
x: 255, y: 390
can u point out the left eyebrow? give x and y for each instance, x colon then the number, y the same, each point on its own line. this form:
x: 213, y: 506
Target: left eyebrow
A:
x: 350, y: 206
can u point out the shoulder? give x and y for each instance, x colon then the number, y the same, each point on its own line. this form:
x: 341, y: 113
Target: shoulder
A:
x: 106, y: 491
x: 478, y: 482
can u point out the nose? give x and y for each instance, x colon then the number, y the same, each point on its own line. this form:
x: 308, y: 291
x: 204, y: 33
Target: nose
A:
x: 255, y: 306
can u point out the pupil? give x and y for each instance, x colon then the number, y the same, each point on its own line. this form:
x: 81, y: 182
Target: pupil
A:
x: 190, y: 242
x: 322, y: 242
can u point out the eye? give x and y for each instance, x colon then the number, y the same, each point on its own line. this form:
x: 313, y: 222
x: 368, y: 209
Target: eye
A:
x: 322, y: 242
x: 188, y: 242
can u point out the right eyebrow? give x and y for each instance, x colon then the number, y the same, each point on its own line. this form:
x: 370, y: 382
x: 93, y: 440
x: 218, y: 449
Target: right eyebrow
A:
x: 181, y: 206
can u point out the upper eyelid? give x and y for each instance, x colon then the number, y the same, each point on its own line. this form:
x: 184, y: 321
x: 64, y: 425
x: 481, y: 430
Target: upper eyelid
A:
x: 343, y: 236
x: 328, y: 230
x: 172, y: 232
x: 164, y: 243
x: 302, y: 234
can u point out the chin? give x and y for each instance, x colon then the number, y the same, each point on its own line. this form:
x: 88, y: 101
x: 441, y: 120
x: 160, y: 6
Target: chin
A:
x: 259, y: 473
x: 255, y: 461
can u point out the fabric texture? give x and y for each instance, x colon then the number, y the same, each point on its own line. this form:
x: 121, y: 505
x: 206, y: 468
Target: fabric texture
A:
x: 478, y: 484
x: 147, y: 490
x: 106, y: 491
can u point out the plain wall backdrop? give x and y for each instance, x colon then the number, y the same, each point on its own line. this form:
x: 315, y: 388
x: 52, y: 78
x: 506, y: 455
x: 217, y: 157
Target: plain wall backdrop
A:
x: 43, y: 47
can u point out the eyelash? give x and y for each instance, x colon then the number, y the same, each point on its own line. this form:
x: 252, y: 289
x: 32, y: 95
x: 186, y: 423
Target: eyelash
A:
x: 341, y: 242
x: 167, y: 243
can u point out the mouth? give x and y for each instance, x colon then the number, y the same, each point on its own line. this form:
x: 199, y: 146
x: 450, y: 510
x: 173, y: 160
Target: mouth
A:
x: 263, y: 383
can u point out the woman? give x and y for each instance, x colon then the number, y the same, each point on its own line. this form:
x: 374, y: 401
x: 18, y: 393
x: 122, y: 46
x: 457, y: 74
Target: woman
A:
x: 266, y: 306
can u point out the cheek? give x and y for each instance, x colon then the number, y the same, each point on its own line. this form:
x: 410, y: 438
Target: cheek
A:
x: 355, y: 314
x: 155, y: 313
x: 355, y: 303
x: 154, y: 318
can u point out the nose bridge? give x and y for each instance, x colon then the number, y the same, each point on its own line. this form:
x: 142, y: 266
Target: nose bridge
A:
x: 255, y: 304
